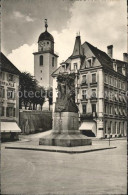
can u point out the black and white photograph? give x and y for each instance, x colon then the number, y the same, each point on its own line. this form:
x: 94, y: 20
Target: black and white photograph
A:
x: 64, y: 97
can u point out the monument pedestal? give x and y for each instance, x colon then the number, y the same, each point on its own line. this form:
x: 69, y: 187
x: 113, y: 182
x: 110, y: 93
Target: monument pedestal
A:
x: 65, y: 131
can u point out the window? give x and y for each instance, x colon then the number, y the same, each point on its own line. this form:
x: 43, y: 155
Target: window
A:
x: 89, y: 62
x: 84, y: 79
x: 105, y: 127
x: 123, y: 126
x: 120, y: 111
x: 2, y: 92
x: 111, y: 80
x: 2, y: 75
x: 10, y: 94
x: 93, y: 108
x: 93, y: 78
x: 106, y: 78
x: 84, y: 97
x: 41, y: 71
x: 10, y: 77
x: 41, y: 78
x: 2, y: 111
x: 116, y: 112
x: 115, y: 128
x: 75, y: 66
x: 52, y: 61
x: 84, y: 109
x: 93, y: 93
x: 110, y: 126
x: 119, y: 127
x: 110, y: 109
x: 105, y: 108
x: 41, y: 60
x: 123, y: 70
x: 115, y: 82
x: 10, y: 112
x: 123, y: 85
x: 114, y: 66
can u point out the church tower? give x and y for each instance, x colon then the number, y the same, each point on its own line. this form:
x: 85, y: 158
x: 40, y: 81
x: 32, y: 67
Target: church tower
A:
x: 45, y: 60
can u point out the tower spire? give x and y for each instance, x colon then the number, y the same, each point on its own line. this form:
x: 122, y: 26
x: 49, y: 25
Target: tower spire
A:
x: 46, y: 25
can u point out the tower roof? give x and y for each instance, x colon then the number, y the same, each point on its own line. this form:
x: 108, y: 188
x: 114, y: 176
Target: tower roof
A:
x: 77, y: 48
x: 46, y: 35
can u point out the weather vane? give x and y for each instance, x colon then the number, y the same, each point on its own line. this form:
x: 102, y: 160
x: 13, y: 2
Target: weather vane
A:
x: 46, y: 25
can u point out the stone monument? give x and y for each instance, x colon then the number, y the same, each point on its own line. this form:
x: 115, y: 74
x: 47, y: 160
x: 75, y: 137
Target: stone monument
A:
x: 65, y: 130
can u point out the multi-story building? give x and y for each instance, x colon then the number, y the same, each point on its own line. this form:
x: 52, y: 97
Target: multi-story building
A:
x: 45, y: 60
x: 101, y: 85
x: 9, y: 88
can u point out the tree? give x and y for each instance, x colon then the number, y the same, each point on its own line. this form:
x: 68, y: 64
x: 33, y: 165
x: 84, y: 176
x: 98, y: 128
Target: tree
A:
x: 27, y: 89
x: 50, y: 96
x: 39, y: 97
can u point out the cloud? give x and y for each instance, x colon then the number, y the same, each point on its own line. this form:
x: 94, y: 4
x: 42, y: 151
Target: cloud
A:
x: 102, y: 24
x: 23, y: 58
x: 27, y: 18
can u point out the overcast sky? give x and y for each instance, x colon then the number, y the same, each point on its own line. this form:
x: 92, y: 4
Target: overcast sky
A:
x: 100, y: 22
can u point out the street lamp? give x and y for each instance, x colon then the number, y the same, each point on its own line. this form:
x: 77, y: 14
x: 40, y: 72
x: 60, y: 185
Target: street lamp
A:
x: 109, y: 130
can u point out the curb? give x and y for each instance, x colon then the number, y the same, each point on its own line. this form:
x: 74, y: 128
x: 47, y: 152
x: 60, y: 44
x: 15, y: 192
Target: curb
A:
x: 59, y: 150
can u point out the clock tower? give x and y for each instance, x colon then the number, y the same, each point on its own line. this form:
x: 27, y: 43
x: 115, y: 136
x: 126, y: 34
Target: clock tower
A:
x: 45, y: 60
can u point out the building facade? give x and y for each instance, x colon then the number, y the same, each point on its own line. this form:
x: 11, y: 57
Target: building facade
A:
x: 45, y: 59
x: 100, y: 86
x: 9, y: 88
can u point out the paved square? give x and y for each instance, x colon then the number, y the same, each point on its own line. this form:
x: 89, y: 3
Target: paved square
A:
x: 39, y: 172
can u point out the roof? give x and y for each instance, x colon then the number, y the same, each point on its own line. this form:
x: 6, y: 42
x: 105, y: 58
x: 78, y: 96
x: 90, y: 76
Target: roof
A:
x: 77, y: 51
x: 102, y: 57
x: 7, y: 66
x: 58, y: 71
x: 46, y: 36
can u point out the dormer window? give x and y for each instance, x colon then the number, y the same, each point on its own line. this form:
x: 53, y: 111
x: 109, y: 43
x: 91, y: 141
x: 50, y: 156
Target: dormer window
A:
x: 10, y: 77
x: 75, y: 66
x: 115, y: 66
x: 64, y: 66
x: 90, y: 62
x: 124, y: 70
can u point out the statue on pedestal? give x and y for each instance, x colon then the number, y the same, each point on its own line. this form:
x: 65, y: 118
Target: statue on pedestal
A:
x: 65, y: 131
x: 66, y: 94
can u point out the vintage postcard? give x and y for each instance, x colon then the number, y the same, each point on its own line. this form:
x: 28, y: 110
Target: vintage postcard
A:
x: 64, y: 97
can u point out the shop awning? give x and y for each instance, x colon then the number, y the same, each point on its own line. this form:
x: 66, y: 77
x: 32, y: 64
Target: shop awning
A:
x: 9, y: 127
x: 88, y: 126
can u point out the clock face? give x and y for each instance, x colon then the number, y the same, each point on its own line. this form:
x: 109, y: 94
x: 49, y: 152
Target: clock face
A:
x: 41, y: 44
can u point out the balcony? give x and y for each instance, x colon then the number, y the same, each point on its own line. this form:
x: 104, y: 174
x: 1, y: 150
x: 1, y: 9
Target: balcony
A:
x: 94, y: 84
x: 88, y: 116
x: 84, y: 84
x: 93, y: 99
x: 84, y: 99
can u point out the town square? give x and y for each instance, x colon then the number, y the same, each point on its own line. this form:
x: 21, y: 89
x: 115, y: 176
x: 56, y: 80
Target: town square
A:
x: 64, y: 97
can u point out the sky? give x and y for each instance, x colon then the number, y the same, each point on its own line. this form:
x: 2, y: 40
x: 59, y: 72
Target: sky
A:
x: 100, y: 22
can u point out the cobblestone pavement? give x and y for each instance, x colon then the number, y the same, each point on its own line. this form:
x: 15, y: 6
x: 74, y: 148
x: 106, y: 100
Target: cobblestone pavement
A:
x: 38, y: 172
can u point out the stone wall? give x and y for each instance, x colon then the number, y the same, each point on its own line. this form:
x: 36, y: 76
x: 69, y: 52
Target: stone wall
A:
x: 35, y: 121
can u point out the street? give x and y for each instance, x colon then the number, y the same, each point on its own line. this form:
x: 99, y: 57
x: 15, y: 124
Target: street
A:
x: 39, y: 172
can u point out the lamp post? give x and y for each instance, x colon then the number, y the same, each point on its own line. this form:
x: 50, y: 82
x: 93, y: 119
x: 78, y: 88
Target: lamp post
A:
x: 109, y: 129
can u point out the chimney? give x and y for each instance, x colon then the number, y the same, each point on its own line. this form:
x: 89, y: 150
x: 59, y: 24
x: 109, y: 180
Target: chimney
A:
x: 110, y: 51
x: 125, y: 57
